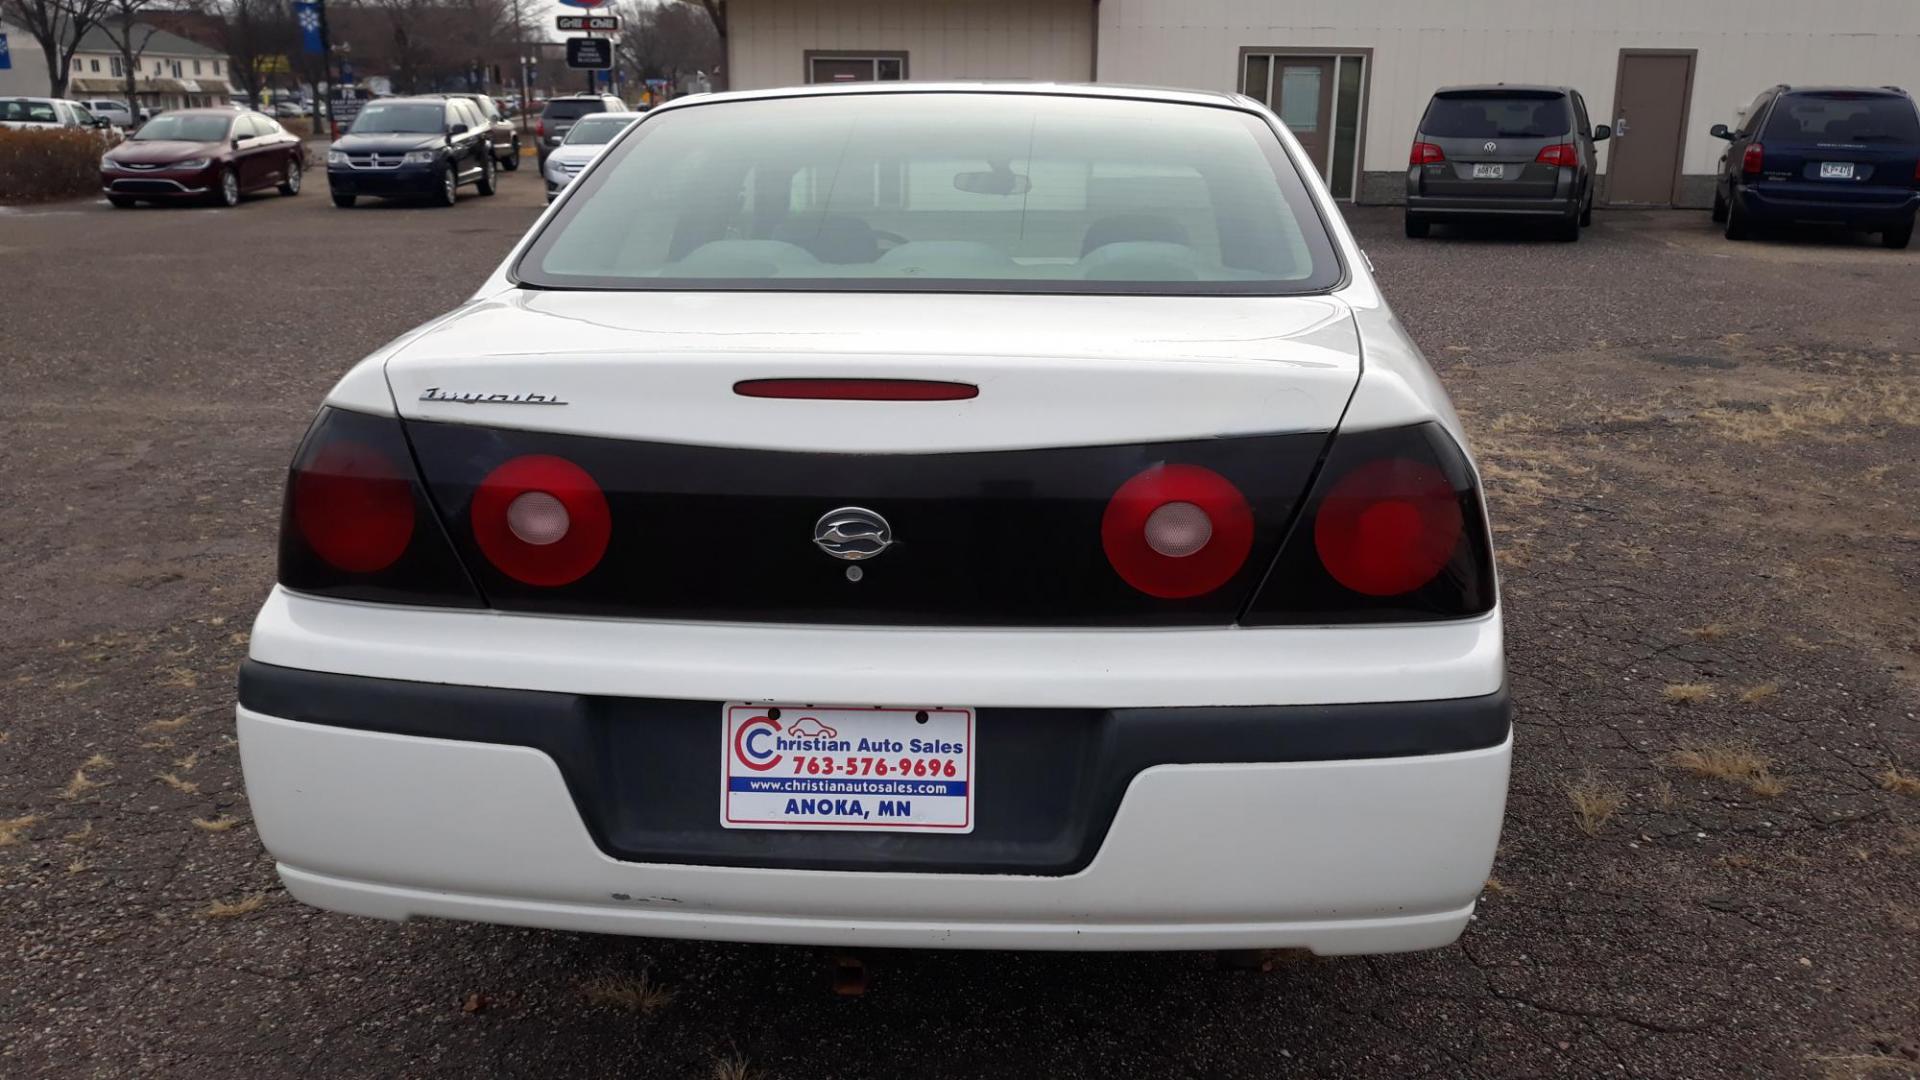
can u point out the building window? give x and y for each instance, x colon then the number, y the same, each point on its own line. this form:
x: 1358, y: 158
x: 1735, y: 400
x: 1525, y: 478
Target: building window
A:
x: 196, y: 67
x: 113, y: 63
x: 76, y: 63
x: 94, y: 66
x: 216, y: 67
x: 157, y: 69
x: 177, y: 73
x: 834, y: 66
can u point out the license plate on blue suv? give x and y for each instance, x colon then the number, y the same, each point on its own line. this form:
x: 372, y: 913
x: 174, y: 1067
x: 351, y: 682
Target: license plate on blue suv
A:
x: 884, y: 769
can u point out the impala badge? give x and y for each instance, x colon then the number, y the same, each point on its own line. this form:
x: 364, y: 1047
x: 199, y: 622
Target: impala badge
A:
x: 852, y: 533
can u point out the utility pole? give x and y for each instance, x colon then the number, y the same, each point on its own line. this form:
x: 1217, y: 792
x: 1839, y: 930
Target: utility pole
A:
x: 520, y: 53
x: 326, y: 75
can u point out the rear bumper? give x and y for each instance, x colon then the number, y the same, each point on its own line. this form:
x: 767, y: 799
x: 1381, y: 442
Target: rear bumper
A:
x: 1138, y: 789
x: 1337, y: 857
x: 1806, y: 204
x: 1462, y: 206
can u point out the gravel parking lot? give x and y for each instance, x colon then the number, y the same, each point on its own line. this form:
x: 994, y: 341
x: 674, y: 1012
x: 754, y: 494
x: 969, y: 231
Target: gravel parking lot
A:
x: 1703, y: 459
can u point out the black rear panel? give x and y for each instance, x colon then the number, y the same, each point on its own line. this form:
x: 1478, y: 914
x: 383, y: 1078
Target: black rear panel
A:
x: 1005, y: 538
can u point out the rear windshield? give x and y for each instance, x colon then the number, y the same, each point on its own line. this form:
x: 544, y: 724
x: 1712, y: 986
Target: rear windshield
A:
x: 928, y: 192
x: 1478, y: 115
x: 1843, y: 118
x: 184, y: 128
x: 573, y: 110
x: 597, y: 130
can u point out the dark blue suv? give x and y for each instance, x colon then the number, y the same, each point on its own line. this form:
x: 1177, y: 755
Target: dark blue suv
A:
x: 1840, y: 155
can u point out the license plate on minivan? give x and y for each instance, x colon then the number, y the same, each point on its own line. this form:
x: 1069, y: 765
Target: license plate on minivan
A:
x: 1836, y: 170
x: 877, y: 769
x: 1489, y: 172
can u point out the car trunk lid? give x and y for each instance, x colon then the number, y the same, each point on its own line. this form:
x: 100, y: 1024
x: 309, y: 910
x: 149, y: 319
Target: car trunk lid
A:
x: 1491, y: 139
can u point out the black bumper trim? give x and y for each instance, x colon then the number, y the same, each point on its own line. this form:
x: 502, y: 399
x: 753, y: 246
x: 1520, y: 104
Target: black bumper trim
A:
x: 643, y: 771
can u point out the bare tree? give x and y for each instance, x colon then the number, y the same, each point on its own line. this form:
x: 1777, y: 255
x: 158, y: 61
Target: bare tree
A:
x: 121, y: 23
x: 57, y: 26
x: 252, y: 32
x: 667, y: 41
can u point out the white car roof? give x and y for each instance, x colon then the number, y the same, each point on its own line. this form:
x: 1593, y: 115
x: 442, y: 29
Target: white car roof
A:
x: 1100, y: 90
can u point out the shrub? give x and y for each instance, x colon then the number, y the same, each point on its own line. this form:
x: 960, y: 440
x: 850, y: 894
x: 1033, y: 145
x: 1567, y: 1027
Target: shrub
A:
x: 62, y: 163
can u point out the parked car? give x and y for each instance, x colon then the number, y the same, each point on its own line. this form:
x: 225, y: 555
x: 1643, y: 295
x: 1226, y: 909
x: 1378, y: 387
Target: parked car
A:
x: 862, y: 395
x: 214, y: 154
x: 115, y: 112
x: 1503, y: 151
x: 1838, y: 155
x: 583, y: 143
x: 287, y: 110
x: 558, y: 115
x: 44, y: 113
x: 419, y: 146
x: 503, y: 135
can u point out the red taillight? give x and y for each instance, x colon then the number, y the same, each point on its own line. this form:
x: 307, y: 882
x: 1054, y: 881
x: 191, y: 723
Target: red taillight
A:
x: 1425, y: 153
x: 857, y: 389
x: 1388, y: 527
x: 1177, y: 531
x: 541, y: 520
x: 1754, y: 159
x: 353, y: 504
x: 540, y: 127
x: 1563, y: 155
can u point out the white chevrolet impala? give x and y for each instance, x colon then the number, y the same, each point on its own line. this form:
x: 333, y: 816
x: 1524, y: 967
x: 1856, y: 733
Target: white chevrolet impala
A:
x: 908, y: 515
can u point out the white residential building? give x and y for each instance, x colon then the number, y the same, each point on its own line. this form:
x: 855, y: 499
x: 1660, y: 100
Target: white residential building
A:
x: 1351, y: 77
x: 173, y: 72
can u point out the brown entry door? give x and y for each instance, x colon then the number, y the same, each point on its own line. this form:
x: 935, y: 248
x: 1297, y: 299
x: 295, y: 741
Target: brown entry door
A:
x: 1303, y: 96
x: 1649, y: 128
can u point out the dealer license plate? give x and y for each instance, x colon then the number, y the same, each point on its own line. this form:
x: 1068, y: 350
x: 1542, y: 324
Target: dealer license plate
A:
x: 1836, y: 170
x: 803, y: 767
x: 1489, y: 172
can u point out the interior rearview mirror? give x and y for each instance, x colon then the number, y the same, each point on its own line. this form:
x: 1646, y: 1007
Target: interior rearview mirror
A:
x: 1000, y: 181
x: 1601, y: 133
x: 1719, y: 131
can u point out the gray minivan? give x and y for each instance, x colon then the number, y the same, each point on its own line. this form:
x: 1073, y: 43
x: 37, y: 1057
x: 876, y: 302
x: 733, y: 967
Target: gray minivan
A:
x: 1503, y: 151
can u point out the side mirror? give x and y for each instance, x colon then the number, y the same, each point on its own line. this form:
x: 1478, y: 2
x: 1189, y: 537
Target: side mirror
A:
x: 236, y: 142
x: 1719, y: 131
x: 1601, y: 133
x: 101, y: 121
x: 457, y: 129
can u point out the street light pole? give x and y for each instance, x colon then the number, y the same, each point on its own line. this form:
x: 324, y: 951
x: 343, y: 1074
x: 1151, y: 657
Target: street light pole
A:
x: 326, y: 75
x: 520, y: 51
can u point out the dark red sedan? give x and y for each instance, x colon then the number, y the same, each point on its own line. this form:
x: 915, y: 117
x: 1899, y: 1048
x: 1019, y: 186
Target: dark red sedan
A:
x: 211, y: 154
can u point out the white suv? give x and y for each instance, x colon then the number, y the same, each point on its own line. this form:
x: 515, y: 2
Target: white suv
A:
x: 984, y: 516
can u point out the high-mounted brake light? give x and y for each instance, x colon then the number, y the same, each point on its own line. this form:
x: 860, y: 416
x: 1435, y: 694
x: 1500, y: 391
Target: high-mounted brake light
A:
x: 1425, y: 153
x: 857, y: 389
x: 1177, y: 531
x: 1754, y: 159
x: 354, y: 506
x: 1563, y: 155
x: 542, y: 520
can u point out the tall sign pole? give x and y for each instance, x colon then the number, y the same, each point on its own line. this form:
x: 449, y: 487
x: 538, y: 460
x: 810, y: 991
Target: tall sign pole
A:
x: 520, y: 54
x: 326, y: 72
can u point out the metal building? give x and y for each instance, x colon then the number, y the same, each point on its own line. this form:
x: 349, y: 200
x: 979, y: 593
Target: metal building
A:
x: 1352, y: 76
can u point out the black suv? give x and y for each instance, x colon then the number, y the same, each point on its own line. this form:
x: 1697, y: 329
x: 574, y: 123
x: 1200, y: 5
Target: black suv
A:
x: 412, y: 146
x: 500, y: 131
x: 560, y: 113
x: 1503, y: 151
x: 1838, y: 155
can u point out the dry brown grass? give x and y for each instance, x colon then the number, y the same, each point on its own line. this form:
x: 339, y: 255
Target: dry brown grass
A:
x: 81, y: 835
x: 79, y: 866
x: 633, y: 993
x: 1900, y: 782
x: 1663, y: 793
x: 219, y: 824
x: 1687, y: 693
x: 184, y: 787
x: 1737, y: 861
x: 180, y: 679
x: 1754, y: 695
x: 174, y: 724
x: 80, y: 784
x: 246, y: 905
x: 1594, y: 801
x: 1494, y: 886
x: 734, y: 1067
x: 1709, y: 632
x: 186, y: 764
x: 1865, y: 1067
x: 1833, y: 413
x: 11, y: 828
x: 1733, y: 762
